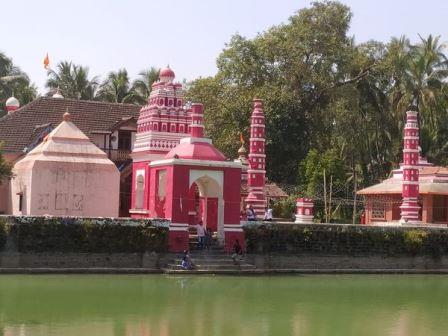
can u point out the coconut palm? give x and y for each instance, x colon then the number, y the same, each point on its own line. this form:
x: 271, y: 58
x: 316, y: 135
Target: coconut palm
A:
x: 143, y: 85
x: 422, y: 81
x: 15, y: 82
x: 117, y: 89
x: 73, y: 81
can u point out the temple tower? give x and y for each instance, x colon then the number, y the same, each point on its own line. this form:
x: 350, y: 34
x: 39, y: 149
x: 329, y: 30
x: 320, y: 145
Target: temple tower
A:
x: 410, y: 192
x: 257, y: 161
x: 162, y: 122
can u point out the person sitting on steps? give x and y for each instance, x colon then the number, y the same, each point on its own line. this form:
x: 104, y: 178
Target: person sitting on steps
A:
x: 237, y: 255
x: 187, y: 263
x: 250, y: 213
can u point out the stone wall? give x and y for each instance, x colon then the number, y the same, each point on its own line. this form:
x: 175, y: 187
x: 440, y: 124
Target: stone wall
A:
x: 57, y: 260
x: 347, y: 264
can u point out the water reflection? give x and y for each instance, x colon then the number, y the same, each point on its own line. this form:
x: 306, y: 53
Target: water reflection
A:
x: 170, y: 306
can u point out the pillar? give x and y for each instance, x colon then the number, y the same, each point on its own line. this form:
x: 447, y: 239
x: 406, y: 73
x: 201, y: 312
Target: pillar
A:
x: 305, y: 211
x: 410, y: 189
x: 257, y: 161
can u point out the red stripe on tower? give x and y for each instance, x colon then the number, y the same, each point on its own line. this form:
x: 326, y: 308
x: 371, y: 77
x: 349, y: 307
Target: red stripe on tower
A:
x: 257, y: 161
x: 409, y: 207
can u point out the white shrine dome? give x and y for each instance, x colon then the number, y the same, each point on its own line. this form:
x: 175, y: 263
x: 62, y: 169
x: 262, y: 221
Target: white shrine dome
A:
x: 12, y: 103
x: 58, y: 95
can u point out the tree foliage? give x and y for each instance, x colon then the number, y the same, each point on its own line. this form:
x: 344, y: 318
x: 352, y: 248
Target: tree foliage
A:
x: 72, y: 81
x: 14, y: 82
x: 326, y: 95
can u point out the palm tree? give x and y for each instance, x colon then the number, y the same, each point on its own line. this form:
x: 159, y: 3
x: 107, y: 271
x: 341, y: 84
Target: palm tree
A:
x: 15, y: 82
x: 117, y: 89
x: 143, y: 85
x: 72, y: 81
x: 421, y: 82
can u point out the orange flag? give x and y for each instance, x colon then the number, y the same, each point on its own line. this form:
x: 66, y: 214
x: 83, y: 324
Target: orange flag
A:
x: 46, y: 62
x: 241, y: 139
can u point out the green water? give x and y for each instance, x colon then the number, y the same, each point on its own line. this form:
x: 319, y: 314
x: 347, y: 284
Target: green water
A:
x: 161, y: 305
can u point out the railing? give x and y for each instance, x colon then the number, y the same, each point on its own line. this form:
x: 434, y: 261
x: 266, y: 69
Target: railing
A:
x: 118, y: 154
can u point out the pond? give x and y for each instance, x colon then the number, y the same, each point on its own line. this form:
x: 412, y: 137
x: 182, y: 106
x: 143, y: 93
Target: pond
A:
x: 149, y: 305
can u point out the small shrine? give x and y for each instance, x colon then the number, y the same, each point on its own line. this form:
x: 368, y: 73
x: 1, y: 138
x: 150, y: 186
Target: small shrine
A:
x: 65, y: 175
x: 195, y: 176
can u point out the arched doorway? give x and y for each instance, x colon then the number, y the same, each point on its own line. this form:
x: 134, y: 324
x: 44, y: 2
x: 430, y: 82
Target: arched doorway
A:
x: 211, y: 205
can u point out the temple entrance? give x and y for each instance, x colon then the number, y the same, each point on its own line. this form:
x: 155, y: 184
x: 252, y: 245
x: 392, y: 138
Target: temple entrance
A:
x: 206, y: 202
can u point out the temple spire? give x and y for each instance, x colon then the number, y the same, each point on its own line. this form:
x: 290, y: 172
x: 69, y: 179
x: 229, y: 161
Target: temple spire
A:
x: 410, y: 208
x: 257, y: 161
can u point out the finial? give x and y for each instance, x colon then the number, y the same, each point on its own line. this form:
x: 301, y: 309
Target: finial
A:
x: 67, y: 116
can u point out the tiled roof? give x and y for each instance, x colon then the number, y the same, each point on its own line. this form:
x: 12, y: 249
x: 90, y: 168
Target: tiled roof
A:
x: 18, y: 129
x: 272, y: 190
x: 432, y: 180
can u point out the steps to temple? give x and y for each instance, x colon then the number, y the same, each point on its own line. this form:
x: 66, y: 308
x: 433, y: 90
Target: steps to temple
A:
x: 210, y: 262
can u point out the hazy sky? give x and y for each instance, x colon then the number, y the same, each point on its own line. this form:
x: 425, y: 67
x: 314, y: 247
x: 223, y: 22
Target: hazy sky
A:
x: 187, y: 34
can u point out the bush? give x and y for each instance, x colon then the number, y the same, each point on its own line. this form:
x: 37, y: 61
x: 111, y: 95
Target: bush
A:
x: 345, y: 239
x: 3, y: 233
x: 285, y: 208
x: 414, y: 240
x: 41, y: 234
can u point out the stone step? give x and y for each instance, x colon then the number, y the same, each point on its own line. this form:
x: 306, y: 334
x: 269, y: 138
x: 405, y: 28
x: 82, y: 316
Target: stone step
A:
x: 208, y: 260
x: 228, y: 272
x: 213, y: 267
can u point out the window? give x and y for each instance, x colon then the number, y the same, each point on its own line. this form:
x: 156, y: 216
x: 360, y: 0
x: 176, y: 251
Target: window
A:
x: 20, y: 201
x: 378, y: 209
x: 439, y: 208
x: 139, y: 190
x: 124, y: 140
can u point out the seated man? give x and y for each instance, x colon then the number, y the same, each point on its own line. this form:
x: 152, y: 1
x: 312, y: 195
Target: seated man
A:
x: 187, y: 263
x: 250, y: 213
x: 237, y: 255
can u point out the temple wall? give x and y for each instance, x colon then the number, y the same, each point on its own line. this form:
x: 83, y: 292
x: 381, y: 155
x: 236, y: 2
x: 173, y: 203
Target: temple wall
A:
x: 66, y: 189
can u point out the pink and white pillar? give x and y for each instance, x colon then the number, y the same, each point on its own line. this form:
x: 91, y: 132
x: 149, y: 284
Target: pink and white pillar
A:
x: 197, y: 120
x: 257, y: 161
x: 410, y: 192
x: 305, y: 211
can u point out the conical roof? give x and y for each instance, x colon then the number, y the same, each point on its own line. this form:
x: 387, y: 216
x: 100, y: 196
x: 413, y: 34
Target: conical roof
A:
x: 68, y: 143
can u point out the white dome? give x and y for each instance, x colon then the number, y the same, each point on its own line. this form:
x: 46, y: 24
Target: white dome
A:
x: 58, y: 95
x: 12, y: 102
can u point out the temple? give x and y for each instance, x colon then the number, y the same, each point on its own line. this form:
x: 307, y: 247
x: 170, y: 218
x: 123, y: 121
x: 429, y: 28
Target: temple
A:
x: 65, y: 175
x: 416, y: 193
x: 179, y: 175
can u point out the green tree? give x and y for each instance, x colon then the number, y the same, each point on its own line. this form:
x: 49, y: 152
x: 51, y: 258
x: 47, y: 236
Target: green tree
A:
x: 5, y: 167
x: 72, y: 81
x: 117, y: 89
x: 143, y: 85
x: 14, y: 82
x: 294, y: 67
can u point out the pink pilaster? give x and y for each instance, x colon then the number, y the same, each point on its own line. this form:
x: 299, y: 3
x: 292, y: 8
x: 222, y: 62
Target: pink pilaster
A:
x: 410, y: 192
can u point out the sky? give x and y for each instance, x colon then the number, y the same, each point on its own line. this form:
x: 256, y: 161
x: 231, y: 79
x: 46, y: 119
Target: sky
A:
x: 186, y: 34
